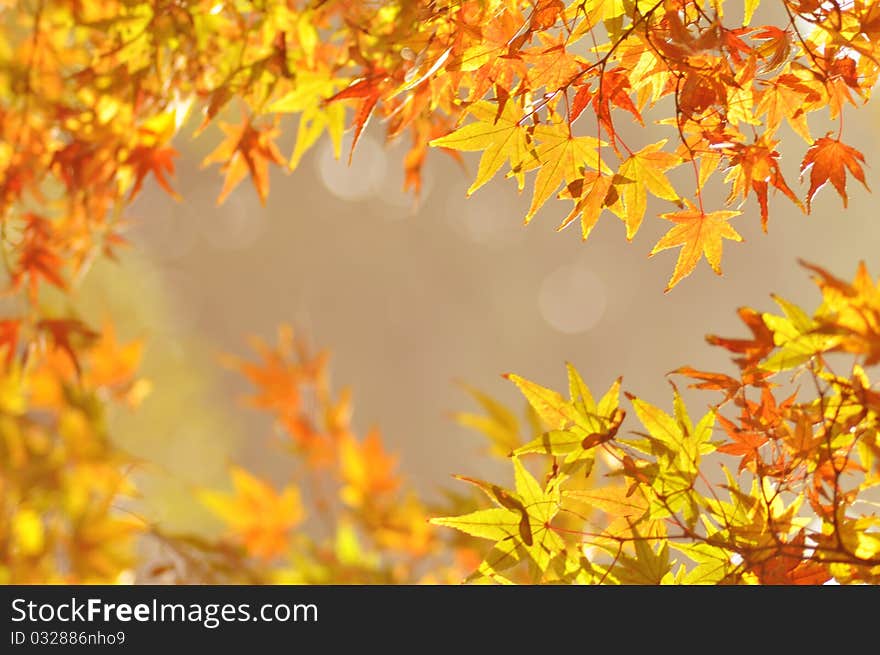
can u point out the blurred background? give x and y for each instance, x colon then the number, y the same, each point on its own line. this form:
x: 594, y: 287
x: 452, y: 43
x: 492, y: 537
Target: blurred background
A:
x: 413, y: 295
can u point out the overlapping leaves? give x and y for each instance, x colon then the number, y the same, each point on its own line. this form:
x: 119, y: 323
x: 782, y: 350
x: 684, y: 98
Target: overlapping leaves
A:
x: 654, y: 509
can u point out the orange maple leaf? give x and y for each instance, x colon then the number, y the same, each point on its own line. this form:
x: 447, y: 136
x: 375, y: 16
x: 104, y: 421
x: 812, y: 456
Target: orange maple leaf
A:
x: 366, y: 468
x: 709, y: 380
x: 698, y: 233
x: 614, y: 89
x: 755, y: 167
x: 38, y: 258
x: 283, y: 373
x: 743, y: 443
x: 752, y: 350
x: 158, y: 161
x: 113, y: 365
x: 368, y: 91
x: 828, y: 160
x: 246, y: 149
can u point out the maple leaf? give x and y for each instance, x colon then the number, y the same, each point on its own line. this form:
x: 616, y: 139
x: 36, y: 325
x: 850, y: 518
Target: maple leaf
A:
x: 285, y: 374
x: 499, y: 424
x: 828, y: 159
x: 551, y: 65
x: 774, y: 49
x: 38, y: 257
x: 256, y: 514
x: 649, y: 566
x: 614, y: 89
x: 577, y: 426
x: 155, y: 160
x: 786, y: 97
x: 494, y: 57
x: 552, y: 408
x: 755, y: 167
x: 519, y: 526
x: 841, y: 76
x: 414, y: 160
x: 851, y: 310
x: 368, y: 91
x: 591, y: 194
x: 645, y: 170
x: 708, y: 380
x: 277, y: 380
x: 246, y: 149
x: 498, y: 134
x: 368, y: 471
x: 796, y: 336
x: 112, y: 364
x: 698, y: 234
x: 754, y: 349
x: 678, y: 445
x: 315, y: 116
x: 744, y: 442
x: 562, y: 158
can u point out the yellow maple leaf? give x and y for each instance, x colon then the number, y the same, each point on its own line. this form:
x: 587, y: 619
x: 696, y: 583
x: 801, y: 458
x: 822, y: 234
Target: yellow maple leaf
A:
x: 646, y: 171
x: 255, y: 513
x: 562, y: 158
x: 498, y: 134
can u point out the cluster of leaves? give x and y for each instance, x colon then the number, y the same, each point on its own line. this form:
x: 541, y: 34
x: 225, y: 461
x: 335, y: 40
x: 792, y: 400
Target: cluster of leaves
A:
x: 772, y: 485
x: 731, y: 86
x: 68, y: 493
x: 92, y: 93
x: 63, y: 484
x: 359, y: 521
